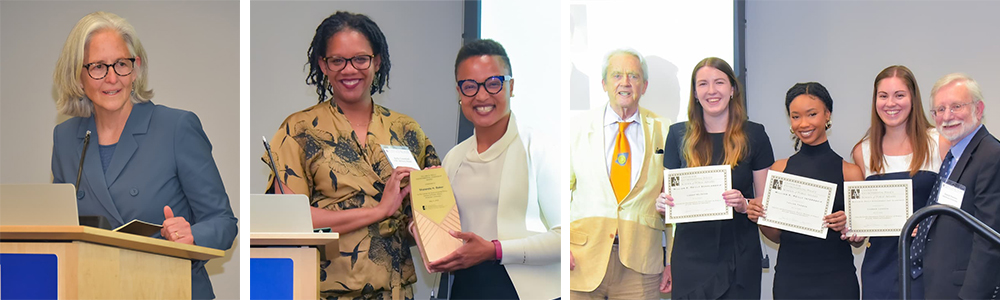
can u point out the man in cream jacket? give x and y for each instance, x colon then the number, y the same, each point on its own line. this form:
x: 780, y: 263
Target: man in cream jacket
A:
x: 616, y: 172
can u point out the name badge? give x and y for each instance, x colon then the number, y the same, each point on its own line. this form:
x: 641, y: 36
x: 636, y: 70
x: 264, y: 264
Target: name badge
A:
x: 951, y: 193
x: 400, y: 156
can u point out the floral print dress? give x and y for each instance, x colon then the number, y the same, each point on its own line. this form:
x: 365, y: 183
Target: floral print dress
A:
x: 317, y: 153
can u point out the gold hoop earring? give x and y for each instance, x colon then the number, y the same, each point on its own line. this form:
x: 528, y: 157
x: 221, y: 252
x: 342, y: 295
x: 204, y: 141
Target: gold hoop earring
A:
x: 790, y: 130
x: 829, y: 124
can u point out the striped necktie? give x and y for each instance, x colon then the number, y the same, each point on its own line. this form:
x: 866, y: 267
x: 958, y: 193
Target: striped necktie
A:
x: 920, y: 242
x: 621, y: 164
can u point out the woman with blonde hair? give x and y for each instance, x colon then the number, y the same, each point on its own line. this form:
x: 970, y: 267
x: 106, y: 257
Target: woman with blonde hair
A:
x: 148, y: 162
x: 718, y: 259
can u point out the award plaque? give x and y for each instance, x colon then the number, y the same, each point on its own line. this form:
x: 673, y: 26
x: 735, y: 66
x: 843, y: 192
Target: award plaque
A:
x: 434, y: 213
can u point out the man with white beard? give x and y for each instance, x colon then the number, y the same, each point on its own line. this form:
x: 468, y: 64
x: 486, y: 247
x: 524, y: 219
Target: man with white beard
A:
x: 956, y: 262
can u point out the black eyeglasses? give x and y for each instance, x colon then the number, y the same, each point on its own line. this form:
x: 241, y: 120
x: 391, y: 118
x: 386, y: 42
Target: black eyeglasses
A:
x: 122, y: 67
x: 493, y: 85
x: 360, y: 62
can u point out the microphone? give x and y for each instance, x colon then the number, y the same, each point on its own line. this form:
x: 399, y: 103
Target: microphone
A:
x: 267, y: 147
x: 86, y: 141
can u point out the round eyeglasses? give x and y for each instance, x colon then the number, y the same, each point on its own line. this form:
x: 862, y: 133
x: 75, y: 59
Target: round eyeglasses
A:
x: 122, y: 67
x: 493, y: 85
x: 360, y: 62
x: 954, y: 108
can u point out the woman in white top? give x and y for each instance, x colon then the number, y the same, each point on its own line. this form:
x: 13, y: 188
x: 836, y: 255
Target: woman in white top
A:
x: 507, y: 191
x: 900, y: 144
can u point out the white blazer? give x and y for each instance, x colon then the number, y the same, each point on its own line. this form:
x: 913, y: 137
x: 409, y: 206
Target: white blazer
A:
x: 528, y: 222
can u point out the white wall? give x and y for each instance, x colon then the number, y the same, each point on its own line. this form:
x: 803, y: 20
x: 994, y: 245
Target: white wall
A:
x: 423, y: 37
x: 534, y: 58
x: 669, y: 34
x: 844, y: 44
x: 178, y: 37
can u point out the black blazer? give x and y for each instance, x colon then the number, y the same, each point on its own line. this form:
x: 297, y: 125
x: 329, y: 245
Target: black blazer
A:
x: 959, y: 263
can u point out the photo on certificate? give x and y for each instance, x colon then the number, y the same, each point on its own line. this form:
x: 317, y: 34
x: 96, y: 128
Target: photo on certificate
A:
x: 797, y: 204
x: 878, y: 207
x: 697, y: 194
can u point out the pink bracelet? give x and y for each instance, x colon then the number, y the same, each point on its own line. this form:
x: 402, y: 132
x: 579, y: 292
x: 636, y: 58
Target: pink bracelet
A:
x: 499, y: 250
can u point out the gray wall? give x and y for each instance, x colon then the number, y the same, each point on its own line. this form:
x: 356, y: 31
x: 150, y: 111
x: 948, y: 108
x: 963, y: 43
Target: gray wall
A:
x: 423, y: 37
x: 844, y: 44
x: 178, y: 37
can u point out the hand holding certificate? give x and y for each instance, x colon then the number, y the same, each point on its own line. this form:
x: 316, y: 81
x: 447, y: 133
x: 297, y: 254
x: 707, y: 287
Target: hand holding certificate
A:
x: 878, y: 208
x: 797, y: 204
x: 697, y: 194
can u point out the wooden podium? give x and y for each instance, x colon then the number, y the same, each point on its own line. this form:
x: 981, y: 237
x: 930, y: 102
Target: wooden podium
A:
x: 93, y: 263
x: 286, y: 265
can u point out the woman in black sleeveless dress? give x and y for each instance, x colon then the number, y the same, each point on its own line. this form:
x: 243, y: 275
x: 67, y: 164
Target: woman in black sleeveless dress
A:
x: 718, y: 259
x: 808, y: 267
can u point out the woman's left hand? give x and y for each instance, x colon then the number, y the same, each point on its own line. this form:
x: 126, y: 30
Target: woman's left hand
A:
x: 851, y: 237
x: 836, y: 221
x: 474, y: 251
x: 734, y: 198
x: 176, y: 229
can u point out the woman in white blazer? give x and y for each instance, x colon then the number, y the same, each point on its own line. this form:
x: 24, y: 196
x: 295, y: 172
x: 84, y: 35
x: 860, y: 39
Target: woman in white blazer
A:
x: 506, y: 189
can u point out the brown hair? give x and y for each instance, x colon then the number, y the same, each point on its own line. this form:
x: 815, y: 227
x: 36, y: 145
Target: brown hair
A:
x: 916, y: 123
x: 697, y: 148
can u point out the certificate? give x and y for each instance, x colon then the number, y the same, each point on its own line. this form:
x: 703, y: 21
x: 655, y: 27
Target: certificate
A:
x: 797, y: 204
x: 434, y: 213
x: 878, y: 207
x: 697, y: 194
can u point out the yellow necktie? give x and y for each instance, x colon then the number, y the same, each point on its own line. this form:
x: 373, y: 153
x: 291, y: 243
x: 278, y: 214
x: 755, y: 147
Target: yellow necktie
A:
x: 621, y: 166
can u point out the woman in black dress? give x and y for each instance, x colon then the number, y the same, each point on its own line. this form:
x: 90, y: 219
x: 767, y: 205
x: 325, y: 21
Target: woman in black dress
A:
x: 718, y: 259
x: 808, y: 267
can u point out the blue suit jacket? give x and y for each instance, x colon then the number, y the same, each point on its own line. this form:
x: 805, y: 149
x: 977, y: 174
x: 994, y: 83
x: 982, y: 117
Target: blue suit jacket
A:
x: 959, y: 264
x: 163, y: 157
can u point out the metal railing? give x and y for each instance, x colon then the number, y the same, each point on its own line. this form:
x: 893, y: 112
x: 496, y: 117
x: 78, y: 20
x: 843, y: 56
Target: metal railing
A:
x: 937, y: 209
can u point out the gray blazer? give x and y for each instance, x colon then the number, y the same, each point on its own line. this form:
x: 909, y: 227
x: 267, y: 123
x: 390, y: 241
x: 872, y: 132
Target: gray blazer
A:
x: 163, y: 157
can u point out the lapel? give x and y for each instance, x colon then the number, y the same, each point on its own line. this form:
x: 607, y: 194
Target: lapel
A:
x: 595, y: 153
x: 512, y: 204
x: 93, y: 173
x: 963, y: 161
x: 135, y: 129
x: 647, y: 133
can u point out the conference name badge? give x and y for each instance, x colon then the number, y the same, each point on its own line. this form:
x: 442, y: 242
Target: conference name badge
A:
x: 951, y: 194
x: 400, y: 156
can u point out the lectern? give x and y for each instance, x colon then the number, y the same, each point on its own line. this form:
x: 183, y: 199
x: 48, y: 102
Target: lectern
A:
x: 285, y: 254
x: 78, y: 262
x: 286, y: 265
